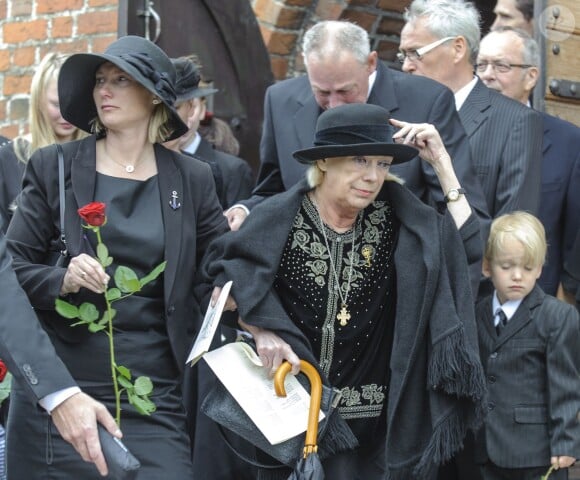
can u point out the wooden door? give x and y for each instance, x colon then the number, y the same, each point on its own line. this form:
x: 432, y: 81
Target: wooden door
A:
x: 558, y: 34
x: 224, y: 34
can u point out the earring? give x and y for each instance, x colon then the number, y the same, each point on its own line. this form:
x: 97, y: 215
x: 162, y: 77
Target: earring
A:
x: 156, y: 101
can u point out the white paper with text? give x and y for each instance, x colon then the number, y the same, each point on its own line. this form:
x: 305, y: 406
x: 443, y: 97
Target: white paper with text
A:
x: 209, y: 326
x: 240, y: 370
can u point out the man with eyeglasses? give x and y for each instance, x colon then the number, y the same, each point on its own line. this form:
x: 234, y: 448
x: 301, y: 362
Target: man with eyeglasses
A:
x: 509, y: 62
x: 341, y: 69
x: 440, y: 40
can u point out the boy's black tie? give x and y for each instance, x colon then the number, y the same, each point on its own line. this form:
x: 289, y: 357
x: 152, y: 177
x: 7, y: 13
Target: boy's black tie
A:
x: 502, y: 320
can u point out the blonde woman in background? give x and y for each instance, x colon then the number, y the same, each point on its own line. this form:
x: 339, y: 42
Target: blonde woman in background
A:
x: 46, y: 127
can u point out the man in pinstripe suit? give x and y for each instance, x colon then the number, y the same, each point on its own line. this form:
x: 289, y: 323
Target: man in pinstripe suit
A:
x: 560, y: 196
x: 441, y: 40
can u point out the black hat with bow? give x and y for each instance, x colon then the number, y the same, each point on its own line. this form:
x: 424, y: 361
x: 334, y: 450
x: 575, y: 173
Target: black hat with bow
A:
x: 138, y: 57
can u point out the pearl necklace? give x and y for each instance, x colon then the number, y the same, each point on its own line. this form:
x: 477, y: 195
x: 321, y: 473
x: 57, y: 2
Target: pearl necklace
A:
x: 344, y: 315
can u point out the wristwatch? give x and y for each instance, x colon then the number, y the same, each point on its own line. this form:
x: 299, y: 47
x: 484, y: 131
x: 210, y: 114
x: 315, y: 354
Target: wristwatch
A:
x: 453, y: 194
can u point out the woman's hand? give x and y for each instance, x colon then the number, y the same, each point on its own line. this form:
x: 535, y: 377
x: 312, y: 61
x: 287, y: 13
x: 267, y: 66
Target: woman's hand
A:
x: 271, y: 349
x: 230, y: 304
x: 426, y: 139
x: 84, y: 271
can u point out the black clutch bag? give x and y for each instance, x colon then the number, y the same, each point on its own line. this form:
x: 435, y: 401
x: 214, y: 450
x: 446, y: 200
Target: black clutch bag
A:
x: 121, y: 462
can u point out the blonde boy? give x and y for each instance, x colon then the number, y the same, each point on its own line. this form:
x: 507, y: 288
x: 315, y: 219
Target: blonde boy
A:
x: 529, y: 345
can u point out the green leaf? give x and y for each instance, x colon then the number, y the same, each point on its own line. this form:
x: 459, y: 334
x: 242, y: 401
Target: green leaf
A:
x: 102, y: 253
x: 124, y: 382
x: 124, y: 371
x: 66, y: 309
x: 143, y: 386
x: 143, y: 405
x: 126, y: 279
x: 113, y: 294
x: 5, y: 386
x: 105, y: 318
x: 105, y: 263
x: 95, y: 327
x: 158, y: 270
x: 88, y: 312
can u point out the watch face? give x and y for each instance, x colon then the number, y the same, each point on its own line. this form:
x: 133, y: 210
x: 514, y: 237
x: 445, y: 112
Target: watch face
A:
x: 453, y: 195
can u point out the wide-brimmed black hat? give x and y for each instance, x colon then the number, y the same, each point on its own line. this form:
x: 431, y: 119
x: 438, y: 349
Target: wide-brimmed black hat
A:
x: 355, y: 129
x: 188, y: 78
x: 138, y: 57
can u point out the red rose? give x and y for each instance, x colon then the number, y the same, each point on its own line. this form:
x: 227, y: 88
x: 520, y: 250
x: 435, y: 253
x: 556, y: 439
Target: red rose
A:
x: 93, y: 213
x: 3, y: 371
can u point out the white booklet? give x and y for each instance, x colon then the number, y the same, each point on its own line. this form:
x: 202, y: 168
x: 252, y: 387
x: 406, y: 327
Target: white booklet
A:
x: 240, y: 370
x: 209, y: 326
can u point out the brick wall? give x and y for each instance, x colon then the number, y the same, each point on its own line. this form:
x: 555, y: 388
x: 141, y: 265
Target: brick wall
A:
x: 283, y: 22
x: 31, y: 28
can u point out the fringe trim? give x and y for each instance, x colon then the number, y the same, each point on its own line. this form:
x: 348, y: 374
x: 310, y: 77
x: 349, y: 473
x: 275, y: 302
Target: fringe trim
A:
x: 454, y: 369
x: 447, y: 438
x: 337, y: 437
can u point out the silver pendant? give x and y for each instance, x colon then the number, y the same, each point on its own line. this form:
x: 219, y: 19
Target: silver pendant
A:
x: 129, y: 168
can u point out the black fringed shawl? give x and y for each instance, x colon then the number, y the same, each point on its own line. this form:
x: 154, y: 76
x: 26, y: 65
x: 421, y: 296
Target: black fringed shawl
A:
x: 437, y: 385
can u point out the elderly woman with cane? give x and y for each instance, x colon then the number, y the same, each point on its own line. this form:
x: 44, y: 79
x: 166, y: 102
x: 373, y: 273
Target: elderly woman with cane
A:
x: 353, y: 273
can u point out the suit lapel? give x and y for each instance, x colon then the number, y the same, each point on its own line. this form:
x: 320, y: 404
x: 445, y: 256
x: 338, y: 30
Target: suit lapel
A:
x: 522, y: 317
x: 487, y: 327
x: 547, y: 142
x: 383, y: 92
x: 473, y: 111
x: 83, y: 179
x: 170, y: 181
x: 305, y: 120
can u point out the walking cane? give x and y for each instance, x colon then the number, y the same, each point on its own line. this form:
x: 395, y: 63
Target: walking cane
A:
x: 309, y: 466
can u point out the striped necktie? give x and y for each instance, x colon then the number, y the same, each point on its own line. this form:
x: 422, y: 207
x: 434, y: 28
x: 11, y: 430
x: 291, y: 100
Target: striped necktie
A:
x: 502, y: 320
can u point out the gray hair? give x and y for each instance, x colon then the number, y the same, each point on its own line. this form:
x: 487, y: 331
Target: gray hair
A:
x: 332, y: 36
x: 531, y: 51
x: 446, y: 18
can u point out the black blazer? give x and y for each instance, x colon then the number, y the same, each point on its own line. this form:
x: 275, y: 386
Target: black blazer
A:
x: 233, y: 176
x: 560, y: 198
x: 25, y: 348
x: 290, y: 114
x: 11, y: 171
x: 505, y: 138
x: 34, y: 231
x: 533, y: 380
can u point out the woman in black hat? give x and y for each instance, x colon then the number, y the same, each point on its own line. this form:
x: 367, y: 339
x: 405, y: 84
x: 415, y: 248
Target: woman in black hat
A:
x: 160, y: 206
x: 352, y: 272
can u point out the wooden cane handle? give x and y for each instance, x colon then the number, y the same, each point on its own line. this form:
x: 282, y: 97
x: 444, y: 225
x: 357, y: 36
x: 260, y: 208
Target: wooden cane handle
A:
x: 315, y: 396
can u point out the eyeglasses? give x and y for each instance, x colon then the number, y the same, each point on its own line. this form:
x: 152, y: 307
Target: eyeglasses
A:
x: 363, y: 163
x: 414, y: 55
x: 501, y: 67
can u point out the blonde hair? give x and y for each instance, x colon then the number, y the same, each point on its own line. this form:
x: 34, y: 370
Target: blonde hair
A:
x: 158, y: 131
x: 520, y: 226
x: 41, y: 132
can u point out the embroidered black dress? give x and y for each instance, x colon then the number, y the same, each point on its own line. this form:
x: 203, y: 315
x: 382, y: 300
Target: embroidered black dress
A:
x: 355, y: 357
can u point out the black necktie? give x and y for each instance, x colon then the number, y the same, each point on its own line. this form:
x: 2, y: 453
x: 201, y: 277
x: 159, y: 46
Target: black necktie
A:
x: 502, y: 320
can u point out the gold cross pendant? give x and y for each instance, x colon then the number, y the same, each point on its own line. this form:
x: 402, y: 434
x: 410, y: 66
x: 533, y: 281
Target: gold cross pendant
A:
x: 343, y: 317
x: 367, y: 252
